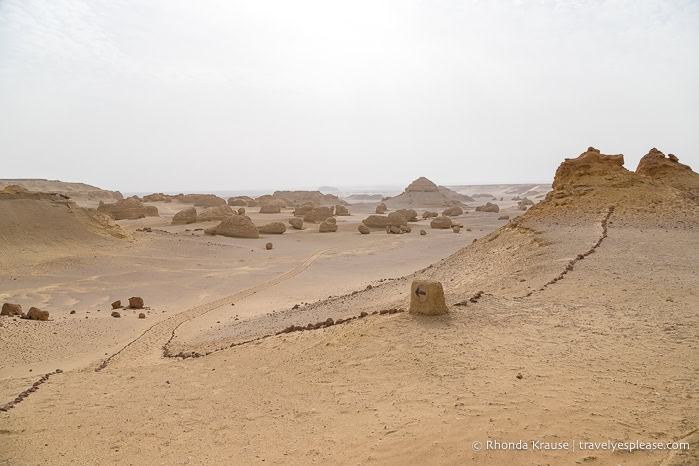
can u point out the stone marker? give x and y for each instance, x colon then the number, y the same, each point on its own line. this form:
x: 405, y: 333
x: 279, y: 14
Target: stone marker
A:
x: 427, y: 297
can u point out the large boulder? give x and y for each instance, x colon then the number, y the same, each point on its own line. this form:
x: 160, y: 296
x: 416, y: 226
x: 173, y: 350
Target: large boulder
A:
x: 238, y: 226
x: 274, y: 228
x: 270, y: 209
x: 381, y: 208
x: 380, y: 221
x: 184, y: 217
x: 453, y: 211
x: 341, y: 210
x: 668, y: 170
x: 302, y: 210
x: 317, y: 214
x: 427, y: 297
x: 37, y: 314
x: 239, y: 201
x: 328, y: 226
x: 441, y: 222
x: 136, y: 302
x: 127, y: 209
x: 10, y: 310
x: 297, y: 223
x: 217, y: 213
x: 488, y: 207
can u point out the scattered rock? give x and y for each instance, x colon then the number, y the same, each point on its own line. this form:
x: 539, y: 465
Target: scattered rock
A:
x: 430, y: 214
x: 274, y: 228
x: 72, y: 312
x: 318, y: 214
x: 127, y: 209
x: 363, y: 229
x: 136, y: 302
x: 241, y: 211
x: 456, y: 228
x: 379, y: 221
x: 269, y: 246
x: 381, y: 208
x: 11, y: 310
x: 427, y: 297
x: 116, y: 304
x: 394, y: 230
x: 423, y: 232
x: 116, y: 314
x: 141, y: 315
x: 341, y: 210
x: 504, y: 217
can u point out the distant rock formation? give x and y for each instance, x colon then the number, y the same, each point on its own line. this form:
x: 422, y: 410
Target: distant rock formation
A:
x: 341, y: 210
x: 364, y: 197
x: 482, y: 195
x: 128, y: 209
x: 238, y: 226
x: 302, y: 197
x: 215, y: 213
x: 488, y: 207
x: 270, y: 209
x: 184, y: 217
x: 381, y: 208
x: 328, y: 189
x: 76, y: 191
x: 422, y: 185
x: 453, y: 195
x: 421, y: 193
x: 201, y: 200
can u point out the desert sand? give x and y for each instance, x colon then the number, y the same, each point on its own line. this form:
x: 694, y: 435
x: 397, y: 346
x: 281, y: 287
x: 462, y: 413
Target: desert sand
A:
x: 572, y: 321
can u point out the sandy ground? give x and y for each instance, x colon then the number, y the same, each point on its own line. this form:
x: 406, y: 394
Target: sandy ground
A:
x: 608, y: 352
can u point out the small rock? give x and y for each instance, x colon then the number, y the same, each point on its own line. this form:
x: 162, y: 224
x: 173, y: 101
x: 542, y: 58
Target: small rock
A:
x: 136, y: 302
x: 141, y: 315
x: 116, y: 304
x: 269, y: 246
x: 423, y: 232
x: 116, y: 314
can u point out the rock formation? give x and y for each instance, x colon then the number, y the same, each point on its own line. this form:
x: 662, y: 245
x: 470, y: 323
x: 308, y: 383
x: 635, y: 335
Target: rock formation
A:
x: 328, y: 226
x: 116, y: 304
x: 409, y: 214
x: 238, y: 226
x: 488, y: 207
x: 274, y: 228
x: 427, y: 297
x: 381, y: 208
x: 429, y: 214
x: 270, y: 209
x: 37, y: 314
x: 136, y: 302
x: 341, y: 210
x: 441, y: 222
x: 454, y: 196
x: 668, y: 170
x: 317, y: 214
x: 302, y: 197
x: 11, y: 310
x: 453, y: 211
x: 184, y: 217
x: 379, y: 221
x: 76, y: 191
x: 128, y: 209
x: 201, y: 200
x: 239, y: 201
x: 217, y: 213
x: 363, y: 229
x: 421, y: 192
x: 297, y: 223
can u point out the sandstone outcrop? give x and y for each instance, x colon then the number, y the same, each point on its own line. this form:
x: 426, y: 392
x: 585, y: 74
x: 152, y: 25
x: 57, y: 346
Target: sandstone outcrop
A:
x: 341, y: 210
x: 184, y: 217
x: 238, y: 226
x: 380, y: 221
x: 297, y: 223
x: 11, y: 310
x: 441, y: 222
x: 668, y: 170
x: 274, y: 228
x: 127, y: 209
x: 422, y: 192
x: 37, y: 314
x: 317, y: 214
x: 488, y: 207
x: 328, y: 227
x: 270, y: 209
x: 136, y: 302
x: 427, y: 297
x: 201, y: 200
x: 453, y: 211
x: 217, y: 213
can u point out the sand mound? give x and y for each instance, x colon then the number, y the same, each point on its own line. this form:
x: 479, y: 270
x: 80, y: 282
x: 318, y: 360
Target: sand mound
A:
x: 44, y: 225
x: 423, y: 193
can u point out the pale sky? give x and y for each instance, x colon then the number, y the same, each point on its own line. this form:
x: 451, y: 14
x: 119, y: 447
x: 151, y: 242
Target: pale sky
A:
x: 168, y: 95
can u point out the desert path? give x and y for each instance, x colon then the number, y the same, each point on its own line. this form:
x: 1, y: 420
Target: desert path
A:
x: 148, y: 347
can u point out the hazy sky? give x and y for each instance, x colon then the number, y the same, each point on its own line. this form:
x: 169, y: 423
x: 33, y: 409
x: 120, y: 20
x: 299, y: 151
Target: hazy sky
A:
x: 162, y: 95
